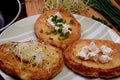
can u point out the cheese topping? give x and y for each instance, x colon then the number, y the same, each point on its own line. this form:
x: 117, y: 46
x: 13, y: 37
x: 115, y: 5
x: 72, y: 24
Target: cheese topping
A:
x: 106, y: 50
x: 105, y: 59
x: 33, y: 52
x: 52, y: 24
x: 58, y: 15
x: 57, y: 23
x: 91, y: 52
x: 93, y: 47
x: 93, y: 56
x: 83, y: 53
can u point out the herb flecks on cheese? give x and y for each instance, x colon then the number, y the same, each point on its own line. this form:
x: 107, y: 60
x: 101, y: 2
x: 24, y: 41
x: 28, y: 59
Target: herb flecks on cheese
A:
x: 91, y: 52
x: 58, y: 25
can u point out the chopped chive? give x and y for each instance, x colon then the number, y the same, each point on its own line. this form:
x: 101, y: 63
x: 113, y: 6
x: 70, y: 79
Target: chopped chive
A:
x: 50, y: 38
x: 41, y: 31
x: 60, y: 20
x: 67, y: 33
x: 70, y: 29
x: 60, y: 30
x: 64, y: 21
x: 54, y: 18
x: 59, y: 38
x: 48, y: 33
x: 55, y: 22
x: 47, y: 17
x: 59, y: 25
x: 65, y: 37
x: 53, y: 31
x: 71, y: 21
x: 62, y: 34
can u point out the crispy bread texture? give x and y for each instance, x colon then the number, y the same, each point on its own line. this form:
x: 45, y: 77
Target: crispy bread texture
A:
x: 42, y: 24
x: 89, y: 68
x: 50, y: 66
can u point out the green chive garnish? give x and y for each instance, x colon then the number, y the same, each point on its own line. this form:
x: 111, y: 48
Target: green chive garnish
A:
x: 41, y: 31
x: 48, y: 33
x: 70, y: 29
x: 71, y: 21
x: 50, y: 38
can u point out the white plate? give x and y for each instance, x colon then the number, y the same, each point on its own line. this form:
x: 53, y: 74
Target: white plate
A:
x: 23, y: 30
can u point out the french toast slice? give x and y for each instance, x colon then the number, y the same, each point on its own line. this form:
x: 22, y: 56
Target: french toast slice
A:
x: 45, y: 29
x: 89, y: 68
x: 30, y: 60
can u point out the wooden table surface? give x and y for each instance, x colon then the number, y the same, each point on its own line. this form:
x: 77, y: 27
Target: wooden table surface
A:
x: 34, y: 7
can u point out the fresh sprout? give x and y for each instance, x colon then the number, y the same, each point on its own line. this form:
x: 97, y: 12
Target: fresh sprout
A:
x: 72, y: 6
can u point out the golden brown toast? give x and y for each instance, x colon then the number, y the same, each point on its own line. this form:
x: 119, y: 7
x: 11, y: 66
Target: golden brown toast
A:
x: 30, y: 60
x: 91, y: 68
x: 41, y: 27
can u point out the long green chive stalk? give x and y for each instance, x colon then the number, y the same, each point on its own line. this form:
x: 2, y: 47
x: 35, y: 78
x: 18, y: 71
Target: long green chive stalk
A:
x: 108, y: 10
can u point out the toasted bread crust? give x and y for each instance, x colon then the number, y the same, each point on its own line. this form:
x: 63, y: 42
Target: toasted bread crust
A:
x: 13, y: 66
x: 90, y: 68
x: 41, y: 24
